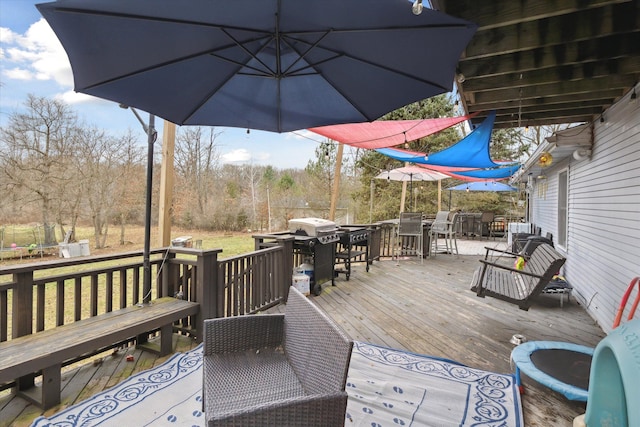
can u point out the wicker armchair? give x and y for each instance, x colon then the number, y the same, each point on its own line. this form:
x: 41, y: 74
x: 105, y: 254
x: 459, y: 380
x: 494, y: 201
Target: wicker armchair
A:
x: 276, y: 369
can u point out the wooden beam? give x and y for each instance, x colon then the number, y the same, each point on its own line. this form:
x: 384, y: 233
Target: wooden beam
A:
x: 557, y: 89
x: 602, y: 97
x: 512, y: 12
x: 166, y: 183
x: 572, y: 72
x: 336, y: 183
x: 585, y: 25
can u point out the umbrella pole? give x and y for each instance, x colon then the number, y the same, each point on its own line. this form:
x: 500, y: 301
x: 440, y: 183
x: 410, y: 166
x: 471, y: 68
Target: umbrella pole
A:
x: 146, y: 264
x: 150, y: 130
x: 411, y: 192
x: 404, y: 196
x: 371, y: 192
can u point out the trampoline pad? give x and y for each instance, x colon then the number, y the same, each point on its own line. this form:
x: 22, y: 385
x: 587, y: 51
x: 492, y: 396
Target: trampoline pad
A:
x: 561, y: 366
x: 570, y: 367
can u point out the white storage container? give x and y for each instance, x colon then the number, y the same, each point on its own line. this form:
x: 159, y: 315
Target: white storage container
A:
x: 302, y: 283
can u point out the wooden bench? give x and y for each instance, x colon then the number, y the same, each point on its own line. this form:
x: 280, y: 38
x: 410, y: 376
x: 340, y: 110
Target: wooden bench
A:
x: 22, y: 358
x: 517, y: 286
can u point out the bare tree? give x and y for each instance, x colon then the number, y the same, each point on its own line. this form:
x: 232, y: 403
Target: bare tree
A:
x: 106, y: 166
x: 197, y: 164
x: 35, y: 152
x: 129, y: 187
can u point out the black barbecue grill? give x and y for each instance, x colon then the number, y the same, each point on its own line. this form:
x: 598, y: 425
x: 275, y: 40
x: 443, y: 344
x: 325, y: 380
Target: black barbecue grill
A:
x: 314, y: 242
x: 352, y: 246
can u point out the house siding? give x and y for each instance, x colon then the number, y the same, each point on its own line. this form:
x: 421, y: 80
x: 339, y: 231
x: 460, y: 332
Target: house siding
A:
x: 603, y: 244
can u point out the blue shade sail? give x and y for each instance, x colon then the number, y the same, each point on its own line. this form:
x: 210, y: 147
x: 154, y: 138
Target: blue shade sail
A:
x: 497, y: 173
x: 470, y: 152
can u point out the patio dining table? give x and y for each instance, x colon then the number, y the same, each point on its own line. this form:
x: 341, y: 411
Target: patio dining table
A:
x: 408, y: 242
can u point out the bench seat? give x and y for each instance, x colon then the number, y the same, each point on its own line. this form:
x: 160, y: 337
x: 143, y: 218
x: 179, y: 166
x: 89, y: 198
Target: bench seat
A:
x: 515, y: 286
x: 46, y: 351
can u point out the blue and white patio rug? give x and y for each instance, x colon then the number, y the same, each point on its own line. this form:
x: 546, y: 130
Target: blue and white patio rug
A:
x: 386, y: 387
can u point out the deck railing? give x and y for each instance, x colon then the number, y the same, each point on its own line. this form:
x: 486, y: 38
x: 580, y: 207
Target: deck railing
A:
x: 43, y: 295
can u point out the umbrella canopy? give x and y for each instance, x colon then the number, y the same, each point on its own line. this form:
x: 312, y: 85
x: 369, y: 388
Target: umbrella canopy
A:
x: 483, y: 186
x: 275, y: 65
x: 411, y: 173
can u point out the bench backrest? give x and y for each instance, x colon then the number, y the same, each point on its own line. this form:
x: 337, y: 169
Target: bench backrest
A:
x: 318, y: 350
x: 545, y: 261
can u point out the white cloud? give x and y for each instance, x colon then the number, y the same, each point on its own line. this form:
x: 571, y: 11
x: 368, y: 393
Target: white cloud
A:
x: 19, y: 74
x: 71, y: 97
x: 36, y: 55
x: 7, y: 36
x: 240, y: 155
x: 261, y: 157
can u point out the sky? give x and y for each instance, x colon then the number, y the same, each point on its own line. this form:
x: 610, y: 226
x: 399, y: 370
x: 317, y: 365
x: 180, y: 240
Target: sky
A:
x: 32, y: 61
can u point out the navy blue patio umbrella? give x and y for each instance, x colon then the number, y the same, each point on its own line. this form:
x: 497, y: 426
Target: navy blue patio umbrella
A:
x: 275, y: 65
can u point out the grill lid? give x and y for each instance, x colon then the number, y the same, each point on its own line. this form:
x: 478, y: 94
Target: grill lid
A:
x: 312, y: 226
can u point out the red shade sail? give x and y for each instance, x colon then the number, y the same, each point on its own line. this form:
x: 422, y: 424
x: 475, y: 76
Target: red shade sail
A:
x: 386, y: 133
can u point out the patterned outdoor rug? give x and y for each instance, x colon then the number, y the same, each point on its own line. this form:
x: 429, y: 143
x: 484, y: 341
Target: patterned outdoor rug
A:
x: 386, y: 388
x: 395, y: 388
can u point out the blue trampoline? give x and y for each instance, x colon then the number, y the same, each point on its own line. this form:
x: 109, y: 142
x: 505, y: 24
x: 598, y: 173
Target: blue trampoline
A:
x: 561, y: 366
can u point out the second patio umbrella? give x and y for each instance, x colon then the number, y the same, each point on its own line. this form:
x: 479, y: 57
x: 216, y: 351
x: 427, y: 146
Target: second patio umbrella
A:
x: 410, y: 174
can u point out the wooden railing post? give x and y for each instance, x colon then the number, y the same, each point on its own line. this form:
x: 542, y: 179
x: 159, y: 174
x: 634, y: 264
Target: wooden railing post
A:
x: 22, y: 305
x: 169, y: 276
x: 207, y: 288
x: 22, y: 316
x: 286, y: 273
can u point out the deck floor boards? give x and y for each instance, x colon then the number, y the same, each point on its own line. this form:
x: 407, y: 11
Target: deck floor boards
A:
x: 423, y: 308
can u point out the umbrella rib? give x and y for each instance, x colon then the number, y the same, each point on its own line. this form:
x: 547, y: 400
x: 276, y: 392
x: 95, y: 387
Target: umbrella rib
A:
x: 302, y: 55
x: 370, y: 63
x: 271, y: 72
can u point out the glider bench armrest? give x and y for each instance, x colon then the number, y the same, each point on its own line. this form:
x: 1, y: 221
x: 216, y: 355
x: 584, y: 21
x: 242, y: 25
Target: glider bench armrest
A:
x: 507, y: 268
x: 503, y: 251
x: 46, y: 351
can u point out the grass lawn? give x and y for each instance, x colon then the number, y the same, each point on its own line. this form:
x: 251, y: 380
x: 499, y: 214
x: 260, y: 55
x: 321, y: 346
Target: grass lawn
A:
x: 231, y: 243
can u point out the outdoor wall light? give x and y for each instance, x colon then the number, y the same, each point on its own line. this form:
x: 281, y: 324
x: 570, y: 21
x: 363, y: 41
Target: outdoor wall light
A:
x: 633, y: 97
x: 581, y: 154
x: 417, y: 7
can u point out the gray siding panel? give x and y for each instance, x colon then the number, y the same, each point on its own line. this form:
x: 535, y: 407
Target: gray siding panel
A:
x: 603, y: 251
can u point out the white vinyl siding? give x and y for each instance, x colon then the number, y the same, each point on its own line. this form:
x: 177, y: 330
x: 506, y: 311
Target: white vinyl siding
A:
x: 603, y: 215
x: 563, y: 197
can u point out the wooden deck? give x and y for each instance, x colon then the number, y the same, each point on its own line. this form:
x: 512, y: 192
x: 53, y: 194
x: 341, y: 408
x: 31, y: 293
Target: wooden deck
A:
x: 424, y: 308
